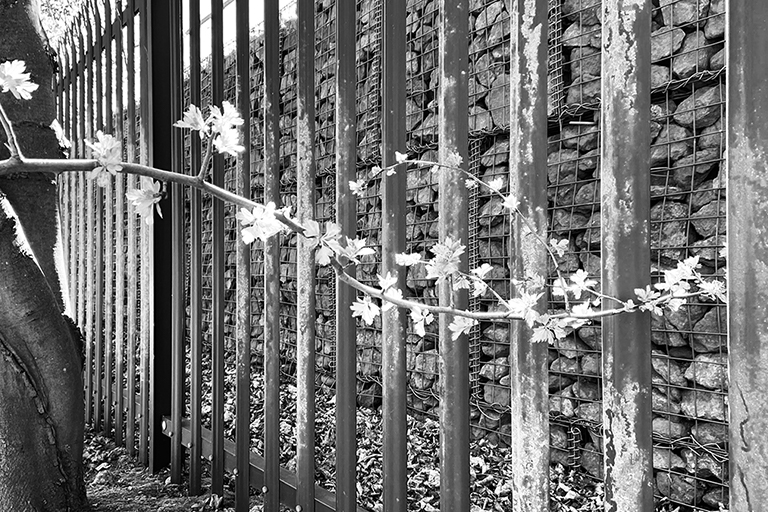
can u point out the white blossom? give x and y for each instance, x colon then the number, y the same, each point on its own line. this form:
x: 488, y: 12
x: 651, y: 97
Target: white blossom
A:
x: 13, y: 78
x: 259, y: 223
x: 109, y: 155
x: 194, y: 120
x: 420, y: 318
x: 146, y: 197
x: 461, y: 325
x: 406, y: 260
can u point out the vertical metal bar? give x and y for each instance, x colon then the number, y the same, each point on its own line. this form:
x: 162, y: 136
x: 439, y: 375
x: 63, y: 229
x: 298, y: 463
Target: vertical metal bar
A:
x: 243, y: 262
x: 305, y: 261
x: 98, y: 297
x: 346, y: 217
x: 393, y: 357
x: 109, y: 260
x: 163, y: 21
x: 131, y: 339
x: 90, y: 258
x: 217, y: 280
x: 272, y: 257
x: 625, y: 222
x: 145, y: 236
x: 195, y: 267
x: 453, y: 222
x: 177, y: 309
x: 528, y: 257
x: 747, y: 256
x: 120, y: 270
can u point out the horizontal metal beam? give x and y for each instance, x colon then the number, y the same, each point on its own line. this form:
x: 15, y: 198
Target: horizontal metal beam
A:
x: 325, y: 500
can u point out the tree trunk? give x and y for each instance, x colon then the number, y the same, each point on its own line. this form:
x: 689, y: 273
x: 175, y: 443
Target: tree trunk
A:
x: 41, y: 386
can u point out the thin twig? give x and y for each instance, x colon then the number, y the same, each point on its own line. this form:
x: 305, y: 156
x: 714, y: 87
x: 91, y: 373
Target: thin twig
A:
x: 13, y: 142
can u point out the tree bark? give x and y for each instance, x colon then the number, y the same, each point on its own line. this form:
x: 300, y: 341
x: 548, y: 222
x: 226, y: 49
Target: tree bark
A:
x: 41, y: 386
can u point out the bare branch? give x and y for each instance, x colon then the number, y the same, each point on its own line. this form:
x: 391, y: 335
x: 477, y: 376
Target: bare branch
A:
x: 13, y: 142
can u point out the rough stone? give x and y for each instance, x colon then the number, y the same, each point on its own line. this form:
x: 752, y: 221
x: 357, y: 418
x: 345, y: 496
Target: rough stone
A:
x: 581, y: 137
x: 659, y: 77
x: 709, y: 250
x: 498, y: 100
x: 562, y: 402
x: 715, y: 26
x: 672, y: 143
x: 558, y: 441
x: 492, y: 212
x: 479, y: 119
x: 571, y: 347
x: 709, y: 333
x: 489, y: 15
x: 679, y: 488
x: 683, y: 12
x: 717, y: 498
x: 710, y: 190
x: 498, y: 154
x: 704, y: 404
x: 583, y: 91
x: 585, y: 62
x: 693, y: 56
x: 592, y: 411
x: 591, y: 364
x: 710, y: 433
x: 590, y: 161
x: 586, y: 11
x: 666, y: 459
x: 709, y: 220
x: 704, y: 465
x: 592, y: 460
x: 581, y: 34
x: 668, y: 369
x: 665, y: 42
x: 587, y: 390
x: 669, y: 429
x: 497, y: 394
x: 565, y: 365
x: 496, y: 369
x: 664, y: 402
x: 712, y: 137
x: 717, y: 61
x: 690, y: 171
x: 703, y: 108
x: 669, y: 230
x: 592, y: 336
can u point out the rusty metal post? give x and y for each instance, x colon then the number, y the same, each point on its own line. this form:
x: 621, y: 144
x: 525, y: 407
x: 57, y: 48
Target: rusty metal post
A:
x: 453, y: 222
x: 120, y: 270
x: 747, y: 252
x: 625, y: 222
x: 195, y: 267
x: 132, y: 263
x: 272, y: 257
x: 109, y: 230
x: 346, y: 217
x: 393, y: 321
x: 528, y: 183
x: 243, y: 264
x: 305, y: 260
x: 217, y: 259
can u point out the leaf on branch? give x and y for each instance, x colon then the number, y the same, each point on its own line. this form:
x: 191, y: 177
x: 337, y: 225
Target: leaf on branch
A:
x: 446, y: 260
x: 400, y: 157
x: 495, y: 184
x: 386, y: 282
x: 461, y: 325
x: 394, y: 293
x: 13, y: 78
x: 511, y: 203
x: 406, y: 260
x: 420, y: 318
x: 581, y: 282
x: 453, y: 159
x: 365, y: 309
x: 357, y: 187
x: 146, y: 197
x: 356, y: 249
x: 559, y: 246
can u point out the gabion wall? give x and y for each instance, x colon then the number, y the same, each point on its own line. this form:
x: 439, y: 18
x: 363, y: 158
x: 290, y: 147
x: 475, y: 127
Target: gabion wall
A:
x: 688, y: 218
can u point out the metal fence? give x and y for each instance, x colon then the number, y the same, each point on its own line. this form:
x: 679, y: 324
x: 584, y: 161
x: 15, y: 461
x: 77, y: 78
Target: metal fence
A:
x: 225, y: 359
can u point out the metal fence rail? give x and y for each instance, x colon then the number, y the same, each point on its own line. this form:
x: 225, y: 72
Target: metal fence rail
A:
x: 193, y: 338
